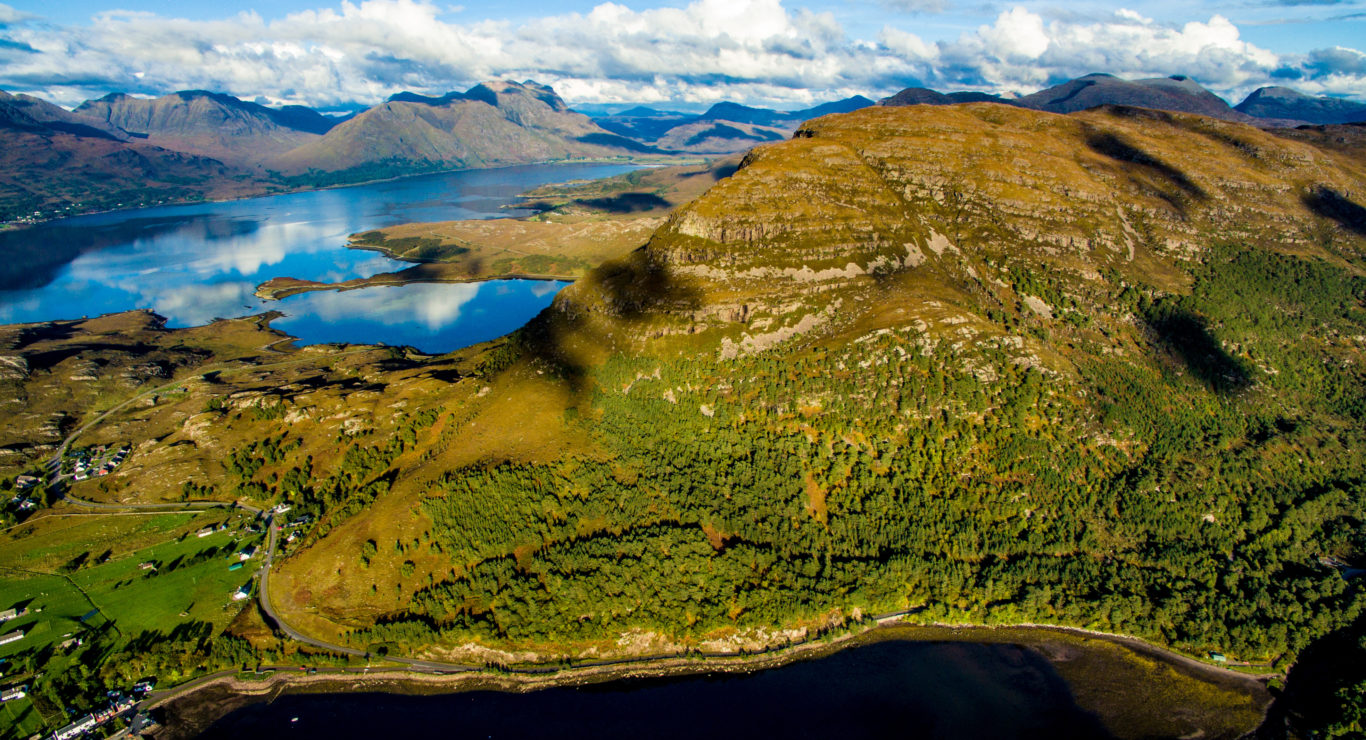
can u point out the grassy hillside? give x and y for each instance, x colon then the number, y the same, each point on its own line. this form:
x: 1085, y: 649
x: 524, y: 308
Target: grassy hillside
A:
x: 995, y: 364
x: 981, y: 364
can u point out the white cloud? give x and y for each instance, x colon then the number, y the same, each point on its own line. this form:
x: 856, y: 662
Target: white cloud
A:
x: 758, y: 51
x: 1017, y: 35
x: 9, y: 15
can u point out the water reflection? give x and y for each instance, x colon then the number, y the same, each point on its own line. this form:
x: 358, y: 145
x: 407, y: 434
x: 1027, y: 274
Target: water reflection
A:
x: 194, y: 263
x: 431, y: 317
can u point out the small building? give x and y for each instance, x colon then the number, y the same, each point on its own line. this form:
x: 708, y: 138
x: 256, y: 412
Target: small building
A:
x: 12, y: 693
x: 1218, y: 657
x: 14, y: 636
x: 205, y: 532
x: 242, y: 593
x: 13, y: 613
x: 144, y: 685
x: 247, y: 553
x: 149, y: 565
x: 77, y: 728
x: 235, y: 566
x: 25, y: 482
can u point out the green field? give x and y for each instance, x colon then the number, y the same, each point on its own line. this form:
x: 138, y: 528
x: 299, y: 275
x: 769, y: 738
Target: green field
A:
x: 22, y: 718
x: 80, y: 578
x: 192, y: 581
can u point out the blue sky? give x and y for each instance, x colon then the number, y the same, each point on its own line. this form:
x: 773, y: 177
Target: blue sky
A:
x: 775, y: 52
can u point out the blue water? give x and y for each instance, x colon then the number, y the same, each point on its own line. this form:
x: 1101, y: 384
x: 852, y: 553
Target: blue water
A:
x: 194, y: 263
x: 956, y: 691
x: 433, y: 317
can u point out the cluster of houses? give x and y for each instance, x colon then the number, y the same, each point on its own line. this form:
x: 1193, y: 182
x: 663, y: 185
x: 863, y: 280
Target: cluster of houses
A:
x: 96, y: 461
x: 7, y: 615
x: 119, y: 703
x: 23, y: 501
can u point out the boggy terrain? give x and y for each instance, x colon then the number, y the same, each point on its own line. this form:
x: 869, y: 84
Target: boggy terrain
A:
x: 978, y: 363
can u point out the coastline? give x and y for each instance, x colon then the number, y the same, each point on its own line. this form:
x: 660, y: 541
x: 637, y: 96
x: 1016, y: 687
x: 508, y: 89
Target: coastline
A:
x: 280, y: 288
x: 193, y: 706
x: 285, y: 190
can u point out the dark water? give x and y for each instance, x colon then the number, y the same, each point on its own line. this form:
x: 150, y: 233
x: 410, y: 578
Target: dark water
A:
x: 195, y: 263
x: 886, y: 690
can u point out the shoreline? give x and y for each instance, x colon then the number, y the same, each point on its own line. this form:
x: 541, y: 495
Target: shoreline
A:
x: 207, y: 699
x: 22, y: 225
x: 288, y: 287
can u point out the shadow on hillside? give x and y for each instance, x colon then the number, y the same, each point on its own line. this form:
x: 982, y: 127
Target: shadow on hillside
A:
x: 1333, y: 205
x: 627, y: 203
x: 46, y: 360
x: 603, y: 310
x: 1186, y: 334
x: 723, y: 171
x: 1116, y: 148
x: 1310, y: 699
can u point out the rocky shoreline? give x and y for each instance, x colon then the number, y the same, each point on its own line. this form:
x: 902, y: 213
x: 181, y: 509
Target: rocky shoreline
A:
x: 190, y: 711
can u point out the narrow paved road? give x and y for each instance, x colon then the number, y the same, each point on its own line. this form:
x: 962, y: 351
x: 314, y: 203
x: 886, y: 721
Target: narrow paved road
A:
x: 425, y: 666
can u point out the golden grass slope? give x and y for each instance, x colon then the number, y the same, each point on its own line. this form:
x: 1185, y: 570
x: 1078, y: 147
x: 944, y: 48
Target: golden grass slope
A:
x: 886, y: 217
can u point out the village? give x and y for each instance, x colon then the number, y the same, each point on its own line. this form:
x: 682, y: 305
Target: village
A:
x: 78, y: 465
x: 197, y: 564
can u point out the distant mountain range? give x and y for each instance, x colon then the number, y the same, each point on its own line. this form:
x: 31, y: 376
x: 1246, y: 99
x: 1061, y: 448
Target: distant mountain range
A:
x: 724, y: 128
x: 1275, y: 107
x: 122, y: 151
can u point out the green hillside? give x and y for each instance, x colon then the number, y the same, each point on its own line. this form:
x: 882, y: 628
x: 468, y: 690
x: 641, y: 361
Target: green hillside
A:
x: 977, y: 364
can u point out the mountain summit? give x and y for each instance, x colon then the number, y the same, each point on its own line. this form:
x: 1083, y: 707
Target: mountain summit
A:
x: 211, y: 124
x: 1282, y: 102
x: 494, y: 123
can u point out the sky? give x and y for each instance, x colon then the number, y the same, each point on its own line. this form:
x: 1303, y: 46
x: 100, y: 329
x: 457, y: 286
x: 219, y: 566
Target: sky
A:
x: 783, y: 53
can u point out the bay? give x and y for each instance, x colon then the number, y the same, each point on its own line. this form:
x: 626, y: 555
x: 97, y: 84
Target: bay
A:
x: 194, y: 263
x: 884, y: 690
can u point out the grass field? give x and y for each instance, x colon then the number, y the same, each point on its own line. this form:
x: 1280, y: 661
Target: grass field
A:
x: 191, y: 582
x: 22, y: 718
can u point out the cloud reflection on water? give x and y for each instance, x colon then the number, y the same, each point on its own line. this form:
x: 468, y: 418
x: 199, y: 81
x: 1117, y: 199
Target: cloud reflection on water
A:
x: 432, y: 305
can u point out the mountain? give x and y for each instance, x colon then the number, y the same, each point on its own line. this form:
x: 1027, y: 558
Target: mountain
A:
x: 848, y: 105
x: 55, y: 162
x: 1180, y: 94
x: 916, y: 96
x: 210, y: 124
x: 492, y: 124
x: 30, y: 113
x: 1282, y: 102
x: 973, y: 363
x: 1269, y: 107
x: 925, y: 96
x: 724, y: 128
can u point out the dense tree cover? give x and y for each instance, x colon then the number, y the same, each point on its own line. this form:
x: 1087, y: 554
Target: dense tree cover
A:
x: 1193, y: 499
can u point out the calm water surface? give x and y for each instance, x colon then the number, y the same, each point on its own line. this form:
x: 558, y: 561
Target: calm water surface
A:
x: 885, y: 690
x: 194, y: 263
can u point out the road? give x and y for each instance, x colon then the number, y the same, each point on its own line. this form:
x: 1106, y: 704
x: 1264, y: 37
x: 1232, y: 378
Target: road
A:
x: 263, y: 596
